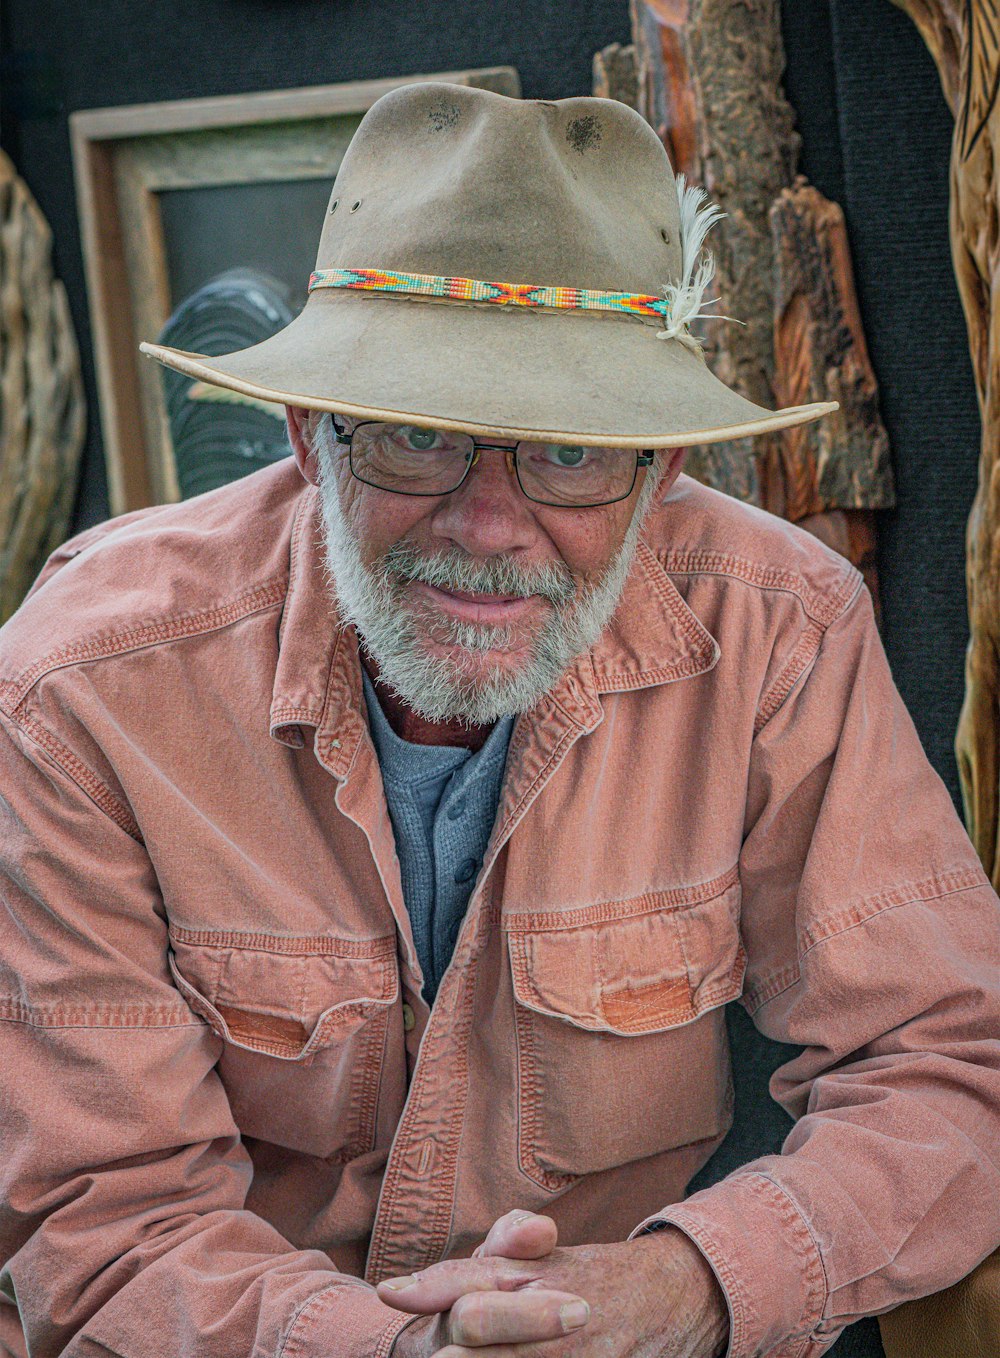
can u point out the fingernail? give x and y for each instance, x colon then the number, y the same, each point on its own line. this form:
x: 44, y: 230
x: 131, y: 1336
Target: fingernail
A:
x: 396, y: 1284
x: 574, y: 1314
x: 520, y: 1216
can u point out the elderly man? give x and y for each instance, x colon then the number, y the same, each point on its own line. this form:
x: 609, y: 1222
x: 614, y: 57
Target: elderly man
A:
x: 383, y: 835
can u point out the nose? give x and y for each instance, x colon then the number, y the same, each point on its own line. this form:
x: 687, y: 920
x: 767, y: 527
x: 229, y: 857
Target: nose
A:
x: 488, y: 514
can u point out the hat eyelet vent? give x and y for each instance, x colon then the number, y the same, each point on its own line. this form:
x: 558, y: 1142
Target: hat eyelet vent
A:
x: 333, y: 205
x: 665, y: 234
x: 355, y: 206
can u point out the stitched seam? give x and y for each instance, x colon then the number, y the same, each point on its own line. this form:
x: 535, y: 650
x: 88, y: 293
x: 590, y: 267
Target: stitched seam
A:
x: 818, y: 605
x: 720, y: 1264
x: 100, y: 1015
x: 511, y: 819
x: 529, y: 1094
x: 441, y: 1228
x: 150, y: 633
x: 294, y: 558
x: 803, y: 654
x: 369, y: 1069
x: 947, y: 884
x: 649, y: 903
x: 694, y: 631
x: 77, y: 772
x: 288, y: 713
x: 815, y: 1274
x: 682, y: 669
x: 290, y: 1346
x: 302, y: 945
x: 769, y: 987
x: 930, y: 889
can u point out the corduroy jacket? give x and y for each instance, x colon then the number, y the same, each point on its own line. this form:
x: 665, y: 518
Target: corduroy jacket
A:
x: 225, y: 1110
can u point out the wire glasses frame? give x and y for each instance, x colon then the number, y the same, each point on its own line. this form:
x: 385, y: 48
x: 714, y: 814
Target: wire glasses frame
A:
x: 343, y: 436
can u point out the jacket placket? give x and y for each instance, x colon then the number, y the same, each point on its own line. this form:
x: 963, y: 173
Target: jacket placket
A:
x: 415, y: 1210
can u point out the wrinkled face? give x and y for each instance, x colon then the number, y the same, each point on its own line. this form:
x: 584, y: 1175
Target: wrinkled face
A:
x: 472, y: 603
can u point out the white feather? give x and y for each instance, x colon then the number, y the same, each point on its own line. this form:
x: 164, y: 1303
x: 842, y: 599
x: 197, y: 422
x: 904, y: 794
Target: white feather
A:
x: 697, y: 217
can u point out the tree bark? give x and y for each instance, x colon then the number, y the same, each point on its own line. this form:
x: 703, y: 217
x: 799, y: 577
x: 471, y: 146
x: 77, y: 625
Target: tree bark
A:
x: 709, y: 81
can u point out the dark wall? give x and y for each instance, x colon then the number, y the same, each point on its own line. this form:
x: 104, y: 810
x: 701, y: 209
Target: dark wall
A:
x: 876, y: 138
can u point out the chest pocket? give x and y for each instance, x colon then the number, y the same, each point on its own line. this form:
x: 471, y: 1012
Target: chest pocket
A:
x: 621, y: 1041
x: 303, y: 1022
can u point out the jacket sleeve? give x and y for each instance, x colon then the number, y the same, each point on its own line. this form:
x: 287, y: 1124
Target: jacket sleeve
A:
x: 123, y: 1177
x: 873, y: 943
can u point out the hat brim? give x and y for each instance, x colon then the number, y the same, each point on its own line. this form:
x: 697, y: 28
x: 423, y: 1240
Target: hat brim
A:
x: 590, y: 377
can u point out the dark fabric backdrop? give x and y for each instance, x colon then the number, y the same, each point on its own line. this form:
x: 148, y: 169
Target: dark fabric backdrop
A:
x: 876, y: 138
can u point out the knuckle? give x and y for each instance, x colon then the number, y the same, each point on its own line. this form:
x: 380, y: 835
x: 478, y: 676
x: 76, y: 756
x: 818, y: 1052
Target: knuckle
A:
x: 470, y: 1320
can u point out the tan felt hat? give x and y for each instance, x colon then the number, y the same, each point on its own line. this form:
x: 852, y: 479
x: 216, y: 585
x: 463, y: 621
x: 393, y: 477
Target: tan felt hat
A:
x: 521, y: 268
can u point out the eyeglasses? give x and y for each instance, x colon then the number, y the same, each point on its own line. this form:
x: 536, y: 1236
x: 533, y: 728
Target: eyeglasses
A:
x: 412, y: 461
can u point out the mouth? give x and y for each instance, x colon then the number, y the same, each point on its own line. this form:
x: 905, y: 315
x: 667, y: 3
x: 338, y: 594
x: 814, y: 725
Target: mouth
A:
x: 474, y: 607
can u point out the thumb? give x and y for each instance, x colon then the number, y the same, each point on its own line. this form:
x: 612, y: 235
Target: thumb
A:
x: 519, y: 1235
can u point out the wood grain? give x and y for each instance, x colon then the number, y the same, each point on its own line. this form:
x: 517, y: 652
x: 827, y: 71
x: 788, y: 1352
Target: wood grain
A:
x: 42, y: 413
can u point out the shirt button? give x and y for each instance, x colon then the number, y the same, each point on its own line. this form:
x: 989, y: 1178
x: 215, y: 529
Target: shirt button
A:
x: 457, y: 808
x: 409, y: 1018
x: 465, y: 871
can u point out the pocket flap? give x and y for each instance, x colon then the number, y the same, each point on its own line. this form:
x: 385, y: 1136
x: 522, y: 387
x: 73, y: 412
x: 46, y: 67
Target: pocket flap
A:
x: 286, y: 997
x: 635, y: 966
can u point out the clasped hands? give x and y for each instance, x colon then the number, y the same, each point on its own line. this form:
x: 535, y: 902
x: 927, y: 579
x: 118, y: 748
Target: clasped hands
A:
x: 520, y: 1295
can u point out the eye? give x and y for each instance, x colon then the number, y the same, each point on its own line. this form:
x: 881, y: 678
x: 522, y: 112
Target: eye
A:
x: 565, y: 455
x: 420, y: 440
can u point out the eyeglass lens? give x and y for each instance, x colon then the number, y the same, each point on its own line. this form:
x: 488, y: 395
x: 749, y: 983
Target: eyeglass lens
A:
x: 418, y: 461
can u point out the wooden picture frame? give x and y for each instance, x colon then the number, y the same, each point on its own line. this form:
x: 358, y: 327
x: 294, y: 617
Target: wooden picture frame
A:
x: 124, y: 159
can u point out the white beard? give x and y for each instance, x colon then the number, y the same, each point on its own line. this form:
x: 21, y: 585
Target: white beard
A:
x: 394, y: 632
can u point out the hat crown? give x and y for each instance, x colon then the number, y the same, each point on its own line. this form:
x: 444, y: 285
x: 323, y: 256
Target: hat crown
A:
x: 462, y: 182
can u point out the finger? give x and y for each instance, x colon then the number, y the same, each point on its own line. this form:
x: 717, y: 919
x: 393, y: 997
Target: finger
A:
x: 480, y: 1318
x: 520, y: 1235
x: 439, y: 1286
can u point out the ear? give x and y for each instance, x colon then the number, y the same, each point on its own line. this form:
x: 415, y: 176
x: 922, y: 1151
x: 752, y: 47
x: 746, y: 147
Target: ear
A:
x: 674, y: 458
x: 295, y: 423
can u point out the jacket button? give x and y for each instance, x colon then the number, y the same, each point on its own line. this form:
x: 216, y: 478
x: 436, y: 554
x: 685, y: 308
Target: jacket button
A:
x: 409, y: 1018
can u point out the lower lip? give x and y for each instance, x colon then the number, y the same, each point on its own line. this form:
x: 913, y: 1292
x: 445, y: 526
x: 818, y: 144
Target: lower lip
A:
x: 481, y: 609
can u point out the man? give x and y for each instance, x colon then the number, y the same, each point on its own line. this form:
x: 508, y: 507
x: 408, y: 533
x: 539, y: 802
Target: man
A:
x: 385, y: 833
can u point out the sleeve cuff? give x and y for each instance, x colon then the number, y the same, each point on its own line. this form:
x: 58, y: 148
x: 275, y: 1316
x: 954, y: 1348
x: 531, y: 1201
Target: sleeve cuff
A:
x: 346, y: 1318
x: 765, y: 1259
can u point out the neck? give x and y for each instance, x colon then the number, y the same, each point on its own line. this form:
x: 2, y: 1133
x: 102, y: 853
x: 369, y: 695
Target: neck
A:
x: 409, y: 725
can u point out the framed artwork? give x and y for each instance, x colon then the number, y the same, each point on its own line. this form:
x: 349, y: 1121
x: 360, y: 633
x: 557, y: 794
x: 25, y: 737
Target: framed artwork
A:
x: 173, y: 195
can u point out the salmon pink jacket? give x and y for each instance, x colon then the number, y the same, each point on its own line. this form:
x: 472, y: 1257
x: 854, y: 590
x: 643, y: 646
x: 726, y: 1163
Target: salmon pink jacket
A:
x: 225, y: 1110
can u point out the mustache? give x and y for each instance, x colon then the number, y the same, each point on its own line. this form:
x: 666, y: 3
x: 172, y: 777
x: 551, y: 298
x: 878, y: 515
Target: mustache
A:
x: 455, y: 569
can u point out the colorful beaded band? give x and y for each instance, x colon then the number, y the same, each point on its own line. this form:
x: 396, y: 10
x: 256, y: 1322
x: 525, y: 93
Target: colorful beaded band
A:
x: 505, y: 294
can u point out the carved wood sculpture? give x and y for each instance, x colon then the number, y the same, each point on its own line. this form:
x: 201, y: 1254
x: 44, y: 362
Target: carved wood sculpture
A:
x: 963, y: 37
x: 964, y: 40
x: 707, y: 75
x: 42, y: 418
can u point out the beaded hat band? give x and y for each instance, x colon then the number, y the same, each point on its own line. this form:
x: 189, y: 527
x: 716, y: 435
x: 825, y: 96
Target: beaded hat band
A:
x: 545, y: 205
x: 504, y: 294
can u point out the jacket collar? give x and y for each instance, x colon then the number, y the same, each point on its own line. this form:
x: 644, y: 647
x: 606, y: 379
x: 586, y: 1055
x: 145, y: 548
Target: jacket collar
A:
x: 653, y: 638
